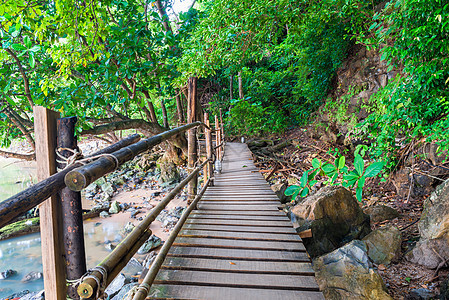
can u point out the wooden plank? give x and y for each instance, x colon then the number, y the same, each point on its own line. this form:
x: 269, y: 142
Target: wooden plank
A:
x: 246, y: 213
x: 163, y: 291
x: 281, y: 237
x: 241, y: 244
x: 239, y: 202
x: 238, y: 217
x: 241, y: 266
x: 237, y: 207
x: 231, y: 228
x: 259, y: 223
x: 239, y: 254
x: 242, y: 280
x: 50, y: 210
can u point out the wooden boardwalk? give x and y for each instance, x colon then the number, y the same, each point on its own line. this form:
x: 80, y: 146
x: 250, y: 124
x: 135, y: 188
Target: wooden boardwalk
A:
x: 237, y: 245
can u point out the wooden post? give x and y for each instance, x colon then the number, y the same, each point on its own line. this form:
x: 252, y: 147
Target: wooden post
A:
x: 191, y: 138
x: 222, y: 137
x: 209, y: 150
x: 179, y: 108
x: 72, y: 221
x: 217, y: 137
x: 231, y: 87
x: 50, y: 210
x: 241, y: 96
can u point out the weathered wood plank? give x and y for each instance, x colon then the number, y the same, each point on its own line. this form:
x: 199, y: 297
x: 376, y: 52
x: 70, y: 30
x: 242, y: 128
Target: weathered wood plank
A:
x: 242, y: 280
x: 241, y: 244
x: 50, y: 210
x: 240, y: 235
x: 239, y: 217
x: 237, y: 207
x: 259, y: 223
x: 162, y: 291
x: 239, y: 254
x: 241, y: 266
x: 231, y: 228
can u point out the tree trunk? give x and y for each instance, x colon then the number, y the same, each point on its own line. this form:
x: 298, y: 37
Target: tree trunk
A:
x: 240, y: 85
x: 164, y: 114
x: 179, y: 108
x: 231, y: 87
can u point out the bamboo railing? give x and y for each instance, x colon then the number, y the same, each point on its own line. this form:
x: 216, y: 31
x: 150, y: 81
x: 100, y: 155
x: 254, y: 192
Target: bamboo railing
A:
x: 78, y: 177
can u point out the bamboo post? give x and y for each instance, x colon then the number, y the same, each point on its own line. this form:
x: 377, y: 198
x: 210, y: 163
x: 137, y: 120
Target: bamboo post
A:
x: 208, y: 136
x: 72, y: 212
x: 191, y: 138
x: 222, y: 136
x: 217, y: 137
x: 50, y: 210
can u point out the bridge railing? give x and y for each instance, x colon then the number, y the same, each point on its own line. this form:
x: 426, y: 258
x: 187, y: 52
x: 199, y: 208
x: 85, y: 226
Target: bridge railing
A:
x: 78, y: 176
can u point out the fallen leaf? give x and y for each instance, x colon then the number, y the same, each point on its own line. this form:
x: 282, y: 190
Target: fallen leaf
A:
x: 231, y: 263
x: 381, y: 267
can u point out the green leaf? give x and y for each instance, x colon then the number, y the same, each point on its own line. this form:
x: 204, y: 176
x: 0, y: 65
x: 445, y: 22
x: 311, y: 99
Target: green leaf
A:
x: 18, y: 47
x: 351, y: 176
x: 334, y: 177
x: 316, y: 163
x: 291, y: 190
x: 312, y: 175
x: 374, y: 169
x: 305, y: 192
x: 341, y: 162
x: 358, y: 164
x: 304, y: 179
x: 35, y: 48
x: 32, y: 61
x: 361, y: 182
x: 27, y: 42
x: 329, y: 169
x: 358, y: 194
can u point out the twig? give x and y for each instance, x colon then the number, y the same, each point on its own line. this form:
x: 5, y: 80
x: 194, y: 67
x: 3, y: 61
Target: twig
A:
x: 318, y: 148
x: 411, y: 224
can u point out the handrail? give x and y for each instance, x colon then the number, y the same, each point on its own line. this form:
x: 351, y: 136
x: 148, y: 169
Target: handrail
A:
x: 80, y: 178
x: 22, y: 202
x: 89, y: 286
x: 145, y: 286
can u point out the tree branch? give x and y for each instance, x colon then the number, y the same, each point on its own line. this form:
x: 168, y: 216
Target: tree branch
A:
x: 24, y: 76
x: 28, y: 157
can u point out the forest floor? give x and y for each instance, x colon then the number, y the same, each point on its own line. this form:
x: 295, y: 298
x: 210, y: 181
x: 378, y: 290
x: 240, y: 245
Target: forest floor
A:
x: 290, y: 161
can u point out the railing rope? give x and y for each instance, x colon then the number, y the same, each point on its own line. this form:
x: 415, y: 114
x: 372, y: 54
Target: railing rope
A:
x: 22, y: 202
x: 81, y: 177
x: 133, y: 241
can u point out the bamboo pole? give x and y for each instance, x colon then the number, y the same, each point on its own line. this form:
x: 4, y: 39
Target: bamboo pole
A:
x: 192, y: 153
x: 88, y: 288
x: 217, y: 137
x: 49, y: 210
x: 209, y: 150
x: 72, y: 212
x: 144, y: 287
x: 22, y: 202
x: 81, y: 177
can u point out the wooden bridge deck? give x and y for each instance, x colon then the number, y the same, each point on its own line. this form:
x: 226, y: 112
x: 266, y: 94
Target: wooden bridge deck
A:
x: 237, y: 245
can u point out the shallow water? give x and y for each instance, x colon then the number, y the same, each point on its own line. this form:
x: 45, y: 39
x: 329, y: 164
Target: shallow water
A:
x: 23, y: 254
x: 15, y: 176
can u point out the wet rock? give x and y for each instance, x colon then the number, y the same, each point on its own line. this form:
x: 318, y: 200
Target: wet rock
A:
x: 134, y: 263
x: 279, y: 189
x: 32, y: 276
x: 34, y: 296
x: 115, y: 208
x: 381, y: 213
x: 420, y: 294
x: 383, y: 244
x: 108, y: 188
x: 18, y: 295
x: 109, y: 246
x: 104, y: 214
x: 124, y: 291
x: 149, y: 259
x: 335, y: 218
x: 129, y: 227
x: 152, y: 243
x: 444, y: 290
x: 347, y: 273
x: 434, y: 230
x: 115, y: 286
x: 8, y: 273
x: 135, y: 213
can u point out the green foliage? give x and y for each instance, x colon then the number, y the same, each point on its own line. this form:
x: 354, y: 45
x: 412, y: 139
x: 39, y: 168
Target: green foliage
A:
x: 336, y: 173
x: 414, y: 103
